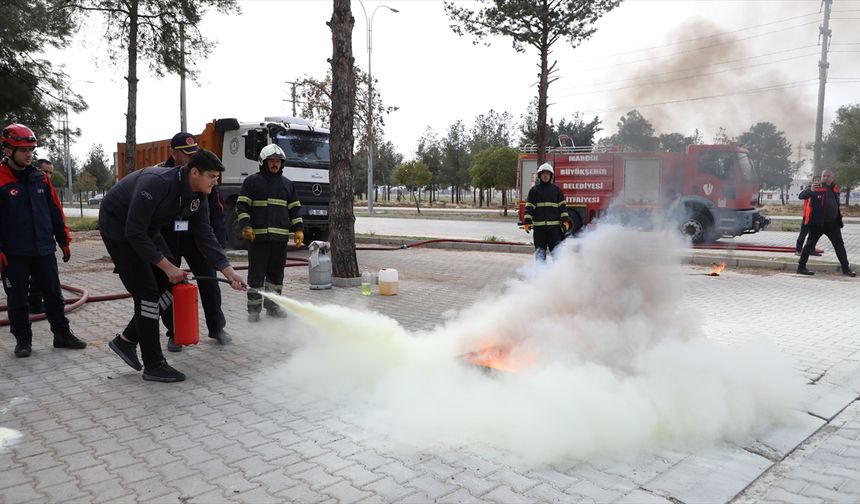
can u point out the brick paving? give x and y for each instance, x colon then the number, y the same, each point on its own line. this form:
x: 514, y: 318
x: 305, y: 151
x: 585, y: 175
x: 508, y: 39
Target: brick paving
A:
x: 93, y: 431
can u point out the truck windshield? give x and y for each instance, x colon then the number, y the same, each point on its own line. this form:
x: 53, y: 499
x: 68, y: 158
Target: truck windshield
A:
x: 305, y: 149
x: 747, y: 171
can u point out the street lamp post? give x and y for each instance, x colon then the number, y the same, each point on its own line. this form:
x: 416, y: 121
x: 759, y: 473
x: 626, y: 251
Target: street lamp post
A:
x: 67, y: 158
x: 369, y: 23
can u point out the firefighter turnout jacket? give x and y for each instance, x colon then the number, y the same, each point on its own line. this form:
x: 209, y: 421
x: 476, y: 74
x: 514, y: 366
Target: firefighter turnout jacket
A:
x: 151, y: 198
x: 268, y: 204
x: 31, y: 216
x: 545, y: 206
x: 821, y: 205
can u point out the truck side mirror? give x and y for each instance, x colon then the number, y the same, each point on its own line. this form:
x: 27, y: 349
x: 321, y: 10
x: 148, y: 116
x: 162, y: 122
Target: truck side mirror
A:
x: 255, y: 140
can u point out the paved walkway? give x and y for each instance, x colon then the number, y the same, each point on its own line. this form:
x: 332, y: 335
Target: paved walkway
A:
x: 83, y: 427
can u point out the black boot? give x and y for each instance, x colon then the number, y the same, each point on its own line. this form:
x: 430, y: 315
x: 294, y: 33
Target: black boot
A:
x: 849, y: 272
x: 172, y: 346
x: 23, y: 348
x: 221, y: 336
x: 67, y: 339
x: 127, y: 351
x: 163, y: 373
x: 801, y: 270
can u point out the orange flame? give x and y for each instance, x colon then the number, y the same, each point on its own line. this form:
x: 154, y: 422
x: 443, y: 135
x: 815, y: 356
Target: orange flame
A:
x: 718, y: 268
x: 500, y: 358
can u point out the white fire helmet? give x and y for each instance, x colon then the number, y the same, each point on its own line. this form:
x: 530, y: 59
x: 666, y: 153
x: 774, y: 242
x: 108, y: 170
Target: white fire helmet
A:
x: 272, y: 151
x: 546, y: 167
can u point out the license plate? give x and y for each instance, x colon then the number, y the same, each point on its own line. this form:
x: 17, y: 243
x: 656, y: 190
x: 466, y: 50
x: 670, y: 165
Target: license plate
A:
x: 317, y: 212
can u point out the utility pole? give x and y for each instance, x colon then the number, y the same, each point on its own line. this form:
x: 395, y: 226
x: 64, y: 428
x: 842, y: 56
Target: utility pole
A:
x: 293, y: 94
x: 67, y: 158
x: 183, y: 113
x: 823, y: 65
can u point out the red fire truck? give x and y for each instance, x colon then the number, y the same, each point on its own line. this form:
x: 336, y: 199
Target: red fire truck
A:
x: 710, y: 190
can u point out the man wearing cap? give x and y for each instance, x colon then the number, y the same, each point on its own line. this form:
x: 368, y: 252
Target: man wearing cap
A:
x: 182, y: 146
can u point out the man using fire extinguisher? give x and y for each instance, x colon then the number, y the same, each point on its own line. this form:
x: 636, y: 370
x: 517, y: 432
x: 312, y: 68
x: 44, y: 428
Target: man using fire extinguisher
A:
x: 546, y: 213
x: 130, y: 217
x: 182, y: 146
x: 267, y: 210
x: 31, y: 226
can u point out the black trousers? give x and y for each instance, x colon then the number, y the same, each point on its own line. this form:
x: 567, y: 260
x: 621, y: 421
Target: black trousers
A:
x: 834, y: 234
x: 150, y: 289
x: 210, y: 291
x: 16, y: 282
x: 35, y: 296
x: 265, y: 272
x: 546, y: 237
x: 804, y: 230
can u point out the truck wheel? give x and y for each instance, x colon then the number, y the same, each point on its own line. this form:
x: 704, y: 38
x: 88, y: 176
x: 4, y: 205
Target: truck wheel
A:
x: 234, y: 234
x: 697, y: 227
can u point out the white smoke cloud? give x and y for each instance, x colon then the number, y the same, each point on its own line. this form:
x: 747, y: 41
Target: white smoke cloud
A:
x: 610, y: 362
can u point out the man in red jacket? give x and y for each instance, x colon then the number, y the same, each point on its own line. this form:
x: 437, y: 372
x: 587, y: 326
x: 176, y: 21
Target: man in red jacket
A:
x: 31, y: 226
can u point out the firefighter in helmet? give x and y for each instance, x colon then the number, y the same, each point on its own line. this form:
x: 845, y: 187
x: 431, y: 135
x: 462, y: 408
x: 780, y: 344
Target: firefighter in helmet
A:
x: 268, y: 209
x: 32, y: 225
x: 546, y: 213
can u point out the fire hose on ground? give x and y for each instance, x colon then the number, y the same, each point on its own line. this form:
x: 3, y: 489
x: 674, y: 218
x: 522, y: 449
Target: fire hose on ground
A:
x: 84, y: 296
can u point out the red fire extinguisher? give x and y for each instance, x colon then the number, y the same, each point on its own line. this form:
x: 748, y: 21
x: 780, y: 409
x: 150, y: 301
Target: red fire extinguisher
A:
x: 186, y: 330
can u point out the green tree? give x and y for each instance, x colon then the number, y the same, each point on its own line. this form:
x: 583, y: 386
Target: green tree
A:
x: 492, y: 129
x: 314, y: 97
x: 495, y: 167
x: 429, y: 152
x: 677, y: 142
x: 455, y: 159
x: 166, y: 33
x: 581, y: 133
x: 537, y: 24
x: 85, y: 183
x: 413, y: 175
x: 97, y: 166
x: 769, y: 154
x: 635, y: 133
x: 32, y: 90
x: 842, y: 148
x: 385, y: 159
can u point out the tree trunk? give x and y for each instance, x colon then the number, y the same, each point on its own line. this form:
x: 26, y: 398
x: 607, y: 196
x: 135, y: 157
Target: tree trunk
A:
x: 341, y: 215
x: 131, y: 78
x: 417, y: 206
x: 542, y: 99
x: 505, y: 202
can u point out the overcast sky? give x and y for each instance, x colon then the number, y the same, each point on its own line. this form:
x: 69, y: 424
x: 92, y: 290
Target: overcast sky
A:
x: 709, y: 64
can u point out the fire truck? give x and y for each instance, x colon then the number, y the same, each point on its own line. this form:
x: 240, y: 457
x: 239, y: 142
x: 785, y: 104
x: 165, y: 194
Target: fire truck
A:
x: 710, y: 190
x: 238, y: 144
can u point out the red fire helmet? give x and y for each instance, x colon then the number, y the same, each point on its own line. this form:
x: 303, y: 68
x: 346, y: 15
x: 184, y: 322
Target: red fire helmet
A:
x: 18, y: 135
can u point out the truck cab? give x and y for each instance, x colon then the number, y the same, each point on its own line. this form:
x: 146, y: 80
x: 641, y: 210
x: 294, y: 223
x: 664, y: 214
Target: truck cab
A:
x: 307, y: 166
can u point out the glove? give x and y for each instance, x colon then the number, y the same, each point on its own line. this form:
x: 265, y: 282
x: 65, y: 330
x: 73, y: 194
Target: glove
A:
x: 565, y: 225
x: 249, y: 234
x: 3, y: 262
x: 67, y: 253
x: 300, y: 238
x: 527, y: 227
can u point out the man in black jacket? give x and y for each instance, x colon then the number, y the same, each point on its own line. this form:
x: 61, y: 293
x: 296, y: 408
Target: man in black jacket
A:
x: 130, y: 217
x: 546, y: 213
x: 267, y: 210
x: 823, y: 217
x: 182, y: 146
x: 32, y: 225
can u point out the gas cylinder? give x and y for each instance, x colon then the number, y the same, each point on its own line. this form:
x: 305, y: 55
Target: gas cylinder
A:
x: 186, y: 329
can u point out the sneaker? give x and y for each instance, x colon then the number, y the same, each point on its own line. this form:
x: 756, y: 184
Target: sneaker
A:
x: 37, y: 308
x: 801, y: 270
x: 127, y: 351
x: 254, y: 317
x: 163, y: 373
x: 849, y: 272
x: 23, y: 350
x: 69, y: 340
x: 172, y: 346
x: 221, y: 336
x: 276, y: 313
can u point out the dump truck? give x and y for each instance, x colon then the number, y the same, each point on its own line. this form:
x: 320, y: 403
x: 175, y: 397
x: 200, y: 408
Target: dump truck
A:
x: 238, y: 144
x: 709, y: 191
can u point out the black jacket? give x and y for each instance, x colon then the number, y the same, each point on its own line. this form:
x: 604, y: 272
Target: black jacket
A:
x: 545, y: 205
x: 268, y: 203
x: 813, y: 213
x: 143, y: 202
x: 216, y: 213
x: 31, y: 217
